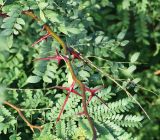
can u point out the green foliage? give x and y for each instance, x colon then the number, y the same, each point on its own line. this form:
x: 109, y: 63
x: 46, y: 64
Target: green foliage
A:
x: 141, y: 19
x: 100, y: 30
x: 7, y: 121
x: 12, y: 24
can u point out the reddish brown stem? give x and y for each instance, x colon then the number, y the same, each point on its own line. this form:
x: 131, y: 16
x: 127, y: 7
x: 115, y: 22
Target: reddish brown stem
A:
x: 68, y: 63
x: 65, y: 101
x: 62, y: 109
x: 32, y: 127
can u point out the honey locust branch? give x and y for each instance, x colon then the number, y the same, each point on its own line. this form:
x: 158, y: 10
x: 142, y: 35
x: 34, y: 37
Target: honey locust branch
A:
x: 68, y: 63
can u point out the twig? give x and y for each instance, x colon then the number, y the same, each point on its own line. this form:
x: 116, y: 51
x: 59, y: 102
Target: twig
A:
x: 87, y: 61
x: 32, y: 127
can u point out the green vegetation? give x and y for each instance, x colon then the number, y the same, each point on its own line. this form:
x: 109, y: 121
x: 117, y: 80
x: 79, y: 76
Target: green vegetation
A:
x: 106, y: 50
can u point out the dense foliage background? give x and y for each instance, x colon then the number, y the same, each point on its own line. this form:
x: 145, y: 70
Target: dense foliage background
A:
x: 119, y: 37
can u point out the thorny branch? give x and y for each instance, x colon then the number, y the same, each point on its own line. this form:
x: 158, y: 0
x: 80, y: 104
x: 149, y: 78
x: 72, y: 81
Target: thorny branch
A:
x: 76, y: 55
x: 68, y: 63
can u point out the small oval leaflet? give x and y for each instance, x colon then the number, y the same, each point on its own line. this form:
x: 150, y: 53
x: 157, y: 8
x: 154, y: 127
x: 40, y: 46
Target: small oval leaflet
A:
x: 33, y: 79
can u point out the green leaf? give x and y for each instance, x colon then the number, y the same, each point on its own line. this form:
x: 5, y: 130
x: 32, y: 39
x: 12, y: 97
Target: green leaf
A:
x: 63, y: 29
x: 73, y: 30
x: 126, y: 4
x: 53, y: 16
x: 1, y: 118
x: 137, y: 80
x: 9, y: 41
x: 7, y: 32
x: 124, y: 43
x: 42, y: 5
x: 10, y: 20
x: 118, y: 52
x: 84, y: 74
x: 157, y: 49
x: 15, y: 136
x: 15, y: 32
x: 85, y: 125
x: 20, y: 21
x: 7, y: 25
x: 18, y: 26
x: 98, y: 39
x: 42, y: 16
x: 1, y: 2
x: 131, y: 69
x: 47, y: 79
x: 121, y: 35
x: 33, y: 79
x: 13, y: 14
x: 2, y: 125
x: 134, y: 57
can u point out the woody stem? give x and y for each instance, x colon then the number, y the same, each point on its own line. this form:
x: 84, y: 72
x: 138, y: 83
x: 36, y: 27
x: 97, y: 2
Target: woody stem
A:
x: 68, y: 63
x: 32, y: 127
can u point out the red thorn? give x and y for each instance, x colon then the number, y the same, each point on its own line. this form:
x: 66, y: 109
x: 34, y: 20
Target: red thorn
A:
x: 75, y: 54
x: 43, y: 28
x: 92, y: 91
x: 62, y: 109
x: 46, y: 58
x: 89, y: 99
x: 57, y: 57
x: 41, y: 39
x: 67, y: 89
x: 65, y: 101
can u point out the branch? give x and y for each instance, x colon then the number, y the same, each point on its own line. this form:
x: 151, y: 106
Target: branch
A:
x: 32, y: 127
x: 65, y: 101
x: 68, y: 63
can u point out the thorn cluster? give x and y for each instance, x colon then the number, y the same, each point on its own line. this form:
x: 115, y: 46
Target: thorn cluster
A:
x: 57, y: 57
x: 71, y: 89
x: 75, y: 79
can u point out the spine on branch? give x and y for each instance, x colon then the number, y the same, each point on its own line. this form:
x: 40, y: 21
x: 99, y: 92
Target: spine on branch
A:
x: 68, y: 63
